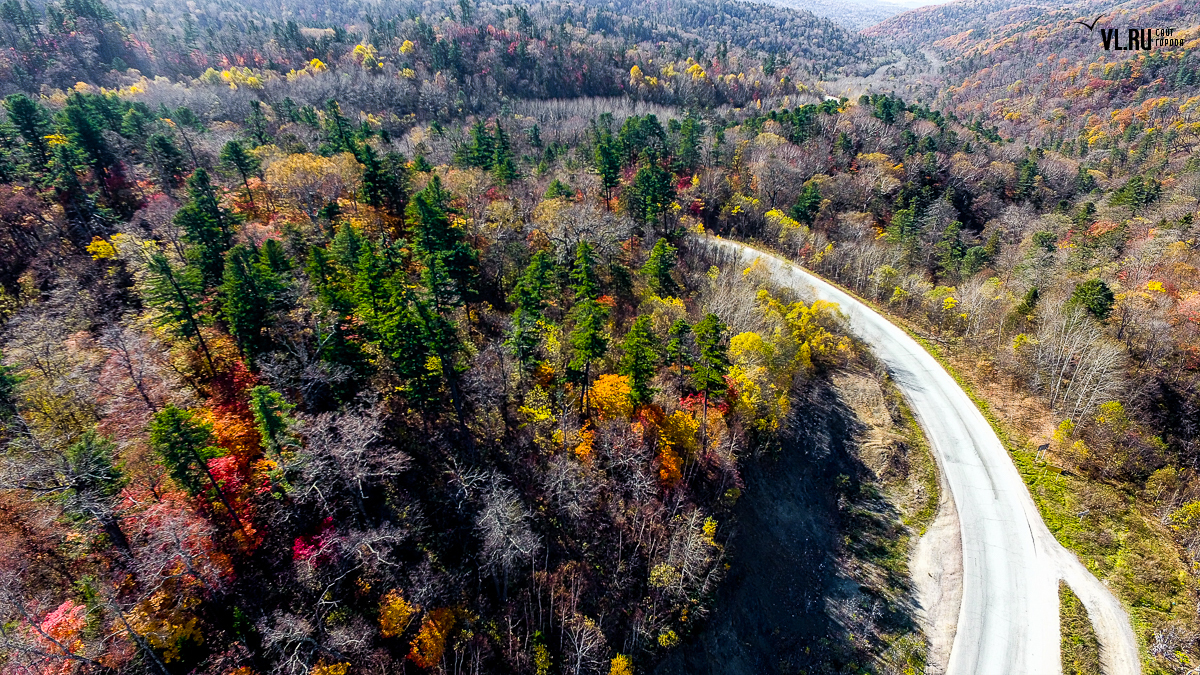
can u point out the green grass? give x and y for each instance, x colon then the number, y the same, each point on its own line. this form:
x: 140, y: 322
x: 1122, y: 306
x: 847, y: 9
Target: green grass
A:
x: 1080, y: 647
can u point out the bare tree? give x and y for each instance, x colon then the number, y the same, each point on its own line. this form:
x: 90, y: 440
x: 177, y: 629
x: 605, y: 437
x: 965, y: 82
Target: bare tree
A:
x: 345, y: 455
x: 506, y: 539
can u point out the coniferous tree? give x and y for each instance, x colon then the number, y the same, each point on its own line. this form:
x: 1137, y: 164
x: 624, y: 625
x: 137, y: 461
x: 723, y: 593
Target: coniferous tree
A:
x: 270, y: 412
x: 249, y: 292
x: 449, y: 259
x: 608, y: 165
x: 168, y: 161
x: 530, y: 295
x: 639, y: 359
x: 503, y: 169
x: 808, y: 204
x: 31, y: 120
x: 93, y: 485
x: 257, y: 124
x: 587, y: 338
x: 185, y: 444
x: 234, y: 156
x: 176, y: 293
x: 658, y: 269
x: 207, y: 227
x: 585, y: 282
x: 677, y: 350
x: 712, y: 364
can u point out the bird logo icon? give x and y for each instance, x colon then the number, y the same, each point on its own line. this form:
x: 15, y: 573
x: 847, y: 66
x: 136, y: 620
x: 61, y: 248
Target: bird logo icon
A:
x: 1093, y: 25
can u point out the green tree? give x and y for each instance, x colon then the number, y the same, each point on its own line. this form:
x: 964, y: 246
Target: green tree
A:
x: 608, y: 165
x: 503, y: 169
x: 177, y: 295
x: 1095, y: 296
x: 207, y: 227
x: 531, y: 296
x: 651, y: 193
x: 31, y: 120
x: 808, y: 204
x: 450, y: 262
x: 338, y: 132
x: 585, y: 282
x: 92, y: 483
x: 271, y: 416
x: 256, y: 124
x: 948, y: 250
x: 588, y: 342
x: 234, y: 156
x: 168, y: 161
x: 639, y: 354
x: 712, y: 364
x: 559, y: 190
x: 687, y: 152
x: 250, y: 294
x: 677, y: 351
x: 658, y: 269
x: 185, y: 444
x: 478, y: 152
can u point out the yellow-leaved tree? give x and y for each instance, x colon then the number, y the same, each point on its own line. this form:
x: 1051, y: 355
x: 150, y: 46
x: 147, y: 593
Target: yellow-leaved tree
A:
x: 802, y: 339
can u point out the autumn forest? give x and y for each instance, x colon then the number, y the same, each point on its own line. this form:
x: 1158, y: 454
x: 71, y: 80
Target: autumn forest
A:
x: 374, y: 337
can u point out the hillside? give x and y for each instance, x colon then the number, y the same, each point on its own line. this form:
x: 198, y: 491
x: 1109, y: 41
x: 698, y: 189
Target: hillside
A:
x: 363, y: 337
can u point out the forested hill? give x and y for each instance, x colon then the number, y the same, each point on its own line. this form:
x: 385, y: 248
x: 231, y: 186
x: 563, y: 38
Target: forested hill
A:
x: 1037, y: 75
x: 356, y: 338
x: 557, y: 49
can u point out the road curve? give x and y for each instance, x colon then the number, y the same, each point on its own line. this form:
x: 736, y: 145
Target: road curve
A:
x: 1008, y: 622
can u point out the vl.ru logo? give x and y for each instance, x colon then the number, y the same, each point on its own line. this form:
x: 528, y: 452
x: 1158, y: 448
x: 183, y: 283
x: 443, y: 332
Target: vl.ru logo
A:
x: 1135, y: 38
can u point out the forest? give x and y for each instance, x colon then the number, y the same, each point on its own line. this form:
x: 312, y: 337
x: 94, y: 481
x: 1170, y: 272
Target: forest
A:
x: 377, y: 337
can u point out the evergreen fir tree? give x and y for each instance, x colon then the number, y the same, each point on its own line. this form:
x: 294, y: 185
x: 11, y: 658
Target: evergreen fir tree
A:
x: 249, y: 293
x: 658, y: 269
x: 639, y: 358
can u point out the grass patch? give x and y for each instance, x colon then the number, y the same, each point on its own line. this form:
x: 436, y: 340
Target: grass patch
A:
x: 1080, y: 648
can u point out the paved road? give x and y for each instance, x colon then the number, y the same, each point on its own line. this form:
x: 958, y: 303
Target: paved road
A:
x: 1008, y: 622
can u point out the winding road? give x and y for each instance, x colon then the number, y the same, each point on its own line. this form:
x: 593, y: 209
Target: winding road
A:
x: 1008, y: 620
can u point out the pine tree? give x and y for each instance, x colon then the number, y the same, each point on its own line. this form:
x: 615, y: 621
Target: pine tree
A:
x: 651, y: 193
x: 337, y: 131
x: 503, y: 169
x: 271, y: 416
x: 808, y: 204
x: 530, y: 295
x: 678, y: 352
x: 687, y: 154
x: 176, y: 293
x: 185, y: 444
x: 478, y: 153
x: 86, y: 131
x: 584, y: 280
x: 712, y: 364
x: 588, y: 342
x: 256, y: 124
x: 640, y: 350
x: 250, y: 293
x: 274, y: 257
x: 168, y: 161
x: 658, y: 269
x: 559, y: 190
x: 608, y: 165
x: 31, y: 120
x: 234, y: 156
x: 449, y: 260
x: 93, y: 484
x: 207, y: 226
